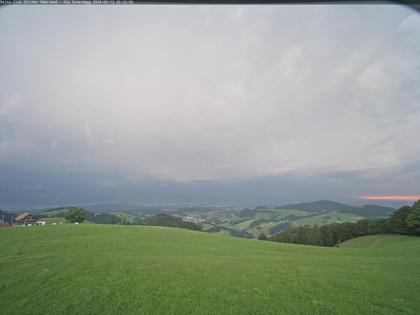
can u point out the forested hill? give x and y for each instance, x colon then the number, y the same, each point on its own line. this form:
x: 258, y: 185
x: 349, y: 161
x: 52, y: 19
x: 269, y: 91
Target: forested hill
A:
x: 320, y: 205
x: 405, y: 220
x: 369, y: 211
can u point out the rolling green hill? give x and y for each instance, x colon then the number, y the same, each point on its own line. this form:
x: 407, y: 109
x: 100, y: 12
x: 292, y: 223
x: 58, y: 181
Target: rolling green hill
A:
x: 367, y: 211
x: 330, y: 217
x: 372, y: 211
x: 271, y: 220
x: 320, y: 205
x: 114, y: 269
x: 56, y: 212
x: 384, y: 242
x: 241, y: 222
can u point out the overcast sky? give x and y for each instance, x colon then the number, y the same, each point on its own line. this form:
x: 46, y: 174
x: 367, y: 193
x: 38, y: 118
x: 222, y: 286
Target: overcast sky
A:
x: 211, y: 103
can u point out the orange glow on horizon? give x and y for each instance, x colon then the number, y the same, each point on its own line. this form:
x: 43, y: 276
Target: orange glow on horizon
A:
x: 401, y: 197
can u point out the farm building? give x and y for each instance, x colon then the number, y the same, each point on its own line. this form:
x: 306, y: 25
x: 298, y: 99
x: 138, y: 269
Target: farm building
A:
x: 28, y: 219
x: 3, y: 224
x: 25, y: 219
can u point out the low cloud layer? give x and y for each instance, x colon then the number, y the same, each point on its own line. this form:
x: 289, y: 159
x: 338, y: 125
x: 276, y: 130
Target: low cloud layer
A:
x: 179, y: 94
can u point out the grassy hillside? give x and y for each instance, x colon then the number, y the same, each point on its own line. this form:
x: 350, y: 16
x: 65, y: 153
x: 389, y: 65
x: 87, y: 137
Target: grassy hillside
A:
x: 55, y: 220
x: 384, y: 242
x: 57, y: 212
x: 113, y: 269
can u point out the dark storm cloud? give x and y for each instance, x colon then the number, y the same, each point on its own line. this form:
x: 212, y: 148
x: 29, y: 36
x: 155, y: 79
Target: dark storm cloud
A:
x: 226, y: 102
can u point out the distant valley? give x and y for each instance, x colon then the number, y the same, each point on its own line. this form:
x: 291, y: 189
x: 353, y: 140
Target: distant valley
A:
x: 241, y: 222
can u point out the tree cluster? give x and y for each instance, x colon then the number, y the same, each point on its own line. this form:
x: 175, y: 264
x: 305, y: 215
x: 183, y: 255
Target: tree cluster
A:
x: 7, y: 216
x: 75, y: 215
x: 405, y: 220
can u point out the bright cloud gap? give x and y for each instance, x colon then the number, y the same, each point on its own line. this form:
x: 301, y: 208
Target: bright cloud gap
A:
x: 396, y: 198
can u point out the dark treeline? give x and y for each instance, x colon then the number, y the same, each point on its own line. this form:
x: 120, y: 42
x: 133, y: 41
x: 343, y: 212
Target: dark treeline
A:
x: 7, y: 216
x: 232, y: 232
x: 405, y: 220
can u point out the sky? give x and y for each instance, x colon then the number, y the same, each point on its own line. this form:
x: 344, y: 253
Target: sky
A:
x: 244, y: 104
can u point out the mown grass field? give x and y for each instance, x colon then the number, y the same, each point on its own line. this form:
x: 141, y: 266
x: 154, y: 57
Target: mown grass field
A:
x: 54, y: 220
x: 110, y: 269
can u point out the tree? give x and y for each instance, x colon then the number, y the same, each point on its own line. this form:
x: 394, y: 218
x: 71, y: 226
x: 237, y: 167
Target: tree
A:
x: 262, y: 237
x: 124, y: 221
x: 397, y: 221
x: 362, y: 227
x: 413, y: 219
x: 75, y: 215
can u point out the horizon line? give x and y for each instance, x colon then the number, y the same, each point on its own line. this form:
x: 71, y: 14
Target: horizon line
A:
x: 391, y: 197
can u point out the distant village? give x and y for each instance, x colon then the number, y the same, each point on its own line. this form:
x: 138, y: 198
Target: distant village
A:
x: 193, y: 219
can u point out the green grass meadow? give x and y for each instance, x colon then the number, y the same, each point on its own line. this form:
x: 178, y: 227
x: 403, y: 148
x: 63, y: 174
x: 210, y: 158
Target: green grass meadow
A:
x: 54, y: 220
x: 113, y: 269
